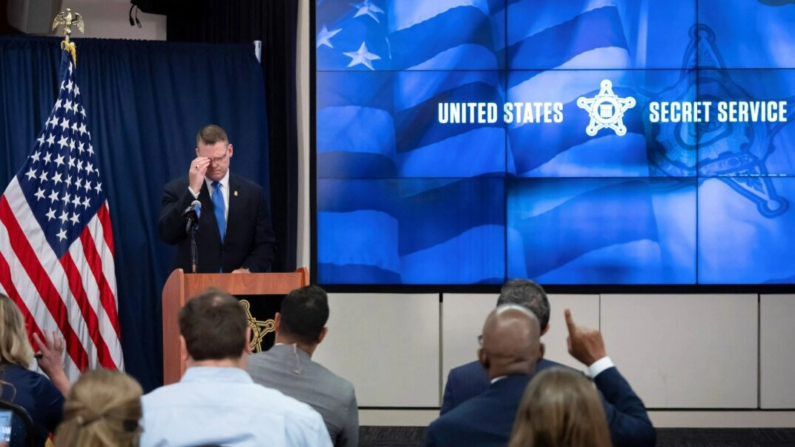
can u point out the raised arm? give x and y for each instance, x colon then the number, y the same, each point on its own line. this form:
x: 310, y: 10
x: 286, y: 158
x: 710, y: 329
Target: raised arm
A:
x: 627, y: 417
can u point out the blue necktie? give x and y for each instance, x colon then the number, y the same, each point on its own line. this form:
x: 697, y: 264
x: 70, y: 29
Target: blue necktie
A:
x: 220, y: 208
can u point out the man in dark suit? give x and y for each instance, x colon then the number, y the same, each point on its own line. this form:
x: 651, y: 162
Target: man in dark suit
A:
x: 235, y: 233
x: 467, y: 381
x: 510, y: 349
x: 627, y: 429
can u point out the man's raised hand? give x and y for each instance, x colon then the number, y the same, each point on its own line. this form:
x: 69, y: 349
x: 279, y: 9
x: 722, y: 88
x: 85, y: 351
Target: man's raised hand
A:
x: 585, y: 345
x: 198, y: 169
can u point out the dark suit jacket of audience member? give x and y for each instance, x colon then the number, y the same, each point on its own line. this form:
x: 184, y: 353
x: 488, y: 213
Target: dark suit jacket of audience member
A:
x: 330, y: 395
x: 36, y: 394
x: 485, y: 420
x: 627, y: 419
x: 249, y: 241
x: 467, y: 381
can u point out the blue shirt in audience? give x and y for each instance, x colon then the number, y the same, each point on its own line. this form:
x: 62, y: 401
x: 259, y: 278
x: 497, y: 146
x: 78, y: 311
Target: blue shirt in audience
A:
x: 223, y: 406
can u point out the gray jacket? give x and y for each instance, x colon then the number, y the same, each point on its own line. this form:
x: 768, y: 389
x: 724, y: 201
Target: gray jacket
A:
x: 290, y: 370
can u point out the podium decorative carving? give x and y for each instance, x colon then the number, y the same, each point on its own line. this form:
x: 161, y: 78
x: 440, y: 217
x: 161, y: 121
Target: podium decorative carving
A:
x: 259, y: 329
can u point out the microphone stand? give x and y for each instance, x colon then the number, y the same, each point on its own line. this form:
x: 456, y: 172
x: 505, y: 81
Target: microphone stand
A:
x: 194, y: 252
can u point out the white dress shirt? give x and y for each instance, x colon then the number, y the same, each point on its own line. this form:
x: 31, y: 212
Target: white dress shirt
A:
x: 224, y: 190
x: 223, y: 406
x: 600, y: 366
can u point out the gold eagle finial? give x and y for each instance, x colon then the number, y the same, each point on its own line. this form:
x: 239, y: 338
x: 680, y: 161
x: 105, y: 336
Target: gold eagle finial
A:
x: 68, y: 20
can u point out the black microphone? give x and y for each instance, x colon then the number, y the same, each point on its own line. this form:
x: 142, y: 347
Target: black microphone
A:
x: 192, y: 215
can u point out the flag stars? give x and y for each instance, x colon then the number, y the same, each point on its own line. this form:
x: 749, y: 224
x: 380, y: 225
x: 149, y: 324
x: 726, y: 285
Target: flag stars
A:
x: 367, y: 8
x: 79, y: 183
x: 362, y: 57
x: 64, y: 124
x: 76, y: 201
x: 58, y: 104
x: 98, y: 187
x: 89, y: 168
x: 80, y: 166
x: 52, y: 122
x: 59, y: 160
x: 68, y: 180
x: 323, y: 37
x: 82, y: 129
x: 77, y: 90
x: 63, y: 142
x: 57, y: 178
x: 75, y: 218
x: 66, y: 197
x: 71, y: 144
x: 51, y: 139
x: 69, y: 84
x: 71, y: 162
x: 74, y: 128
x: 91, y: 151
x: 88, y: 186
x: 53, y: 196
x: 31, y: 174
x: 43, y: 177
x: 62, y: 233
x: 40, y: 140
x: 86, y: 202
x: 36, y: 155
x: 47, y: 157
x: 39, y: 194
x: 81, y: 147
x: 83, y: 111
x: 51, y: 215
x: 68, y: 106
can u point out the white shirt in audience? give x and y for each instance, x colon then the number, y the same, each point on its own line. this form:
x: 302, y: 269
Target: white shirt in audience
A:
x: 223, y: 406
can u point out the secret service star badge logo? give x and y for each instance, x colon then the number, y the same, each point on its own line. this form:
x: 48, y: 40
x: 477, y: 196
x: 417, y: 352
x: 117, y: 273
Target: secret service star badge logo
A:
x: 606, y: 110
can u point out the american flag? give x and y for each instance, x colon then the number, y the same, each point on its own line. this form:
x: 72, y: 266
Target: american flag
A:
x: 56, y: 242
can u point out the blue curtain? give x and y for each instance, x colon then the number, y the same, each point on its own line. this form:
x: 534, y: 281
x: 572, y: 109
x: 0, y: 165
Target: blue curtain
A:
x: 144, y: 102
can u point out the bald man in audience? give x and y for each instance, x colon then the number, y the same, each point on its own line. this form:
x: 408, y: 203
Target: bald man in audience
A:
x: 626, y: 415
x: 510, y: 349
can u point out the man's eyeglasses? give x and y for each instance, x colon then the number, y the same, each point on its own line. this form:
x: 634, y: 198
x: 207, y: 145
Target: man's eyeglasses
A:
x: 480, y: 340
x: 218, y: 160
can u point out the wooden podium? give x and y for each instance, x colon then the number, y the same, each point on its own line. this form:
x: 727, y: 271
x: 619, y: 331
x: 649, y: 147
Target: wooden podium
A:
x: 181, y: 286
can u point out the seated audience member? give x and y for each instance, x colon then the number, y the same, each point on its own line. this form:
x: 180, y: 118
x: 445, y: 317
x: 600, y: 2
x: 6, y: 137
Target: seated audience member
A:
x: 216, y: 402
x: 510, y: 349
x: 627, y: 429
x: 467, y: 381
x: 560, y: 408
x: 102, y: 410
x: 30, y: 390
x: 288, y: 365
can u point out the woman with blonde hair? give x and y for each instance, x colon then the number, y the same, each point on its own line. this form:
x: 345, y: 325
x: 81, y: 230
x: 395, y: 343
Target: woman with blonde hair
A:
x: 560, y: 408
x: 102, y: 410
x: 41, y: 398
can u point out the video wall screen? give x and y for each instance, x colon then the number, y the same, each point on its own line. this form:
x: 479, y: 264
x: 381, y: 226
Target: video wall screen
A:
x: 570, y: 142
